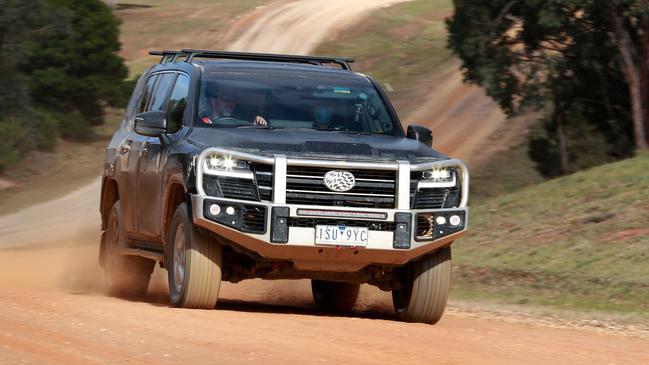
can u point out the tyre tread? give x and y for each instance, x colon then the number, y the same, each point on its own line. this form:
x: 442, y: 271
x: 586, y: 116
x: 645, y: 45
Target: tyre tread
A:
x: 430, y: 288
x: 203, y: 266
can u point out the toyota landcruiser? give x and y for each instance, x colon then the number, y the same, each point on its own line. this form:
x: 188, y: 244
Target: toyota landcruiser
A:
x: 230, y: 166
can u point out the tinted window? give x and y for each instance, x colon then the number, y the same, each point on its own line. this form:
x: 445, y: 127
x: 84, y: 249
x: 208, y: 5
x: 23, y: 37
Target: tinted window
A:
x: 146, y: 95
x: 161, y: 91
x: 287, y: 101
x: 177, y: 103
x: 134, y: 101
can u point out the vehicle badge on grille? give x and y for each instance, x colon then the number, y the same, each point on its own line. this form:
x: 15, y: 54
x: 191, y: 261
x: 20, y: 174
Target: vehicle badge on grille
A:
x: 340, y: 181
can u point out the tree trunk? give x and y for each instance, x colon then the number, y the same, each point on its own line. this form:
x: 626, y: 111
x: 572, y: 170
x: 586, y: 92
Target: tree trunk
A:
x: 644, y: 96
x: 644, y: 74
x: 559, y: 122
x: 629, y: 62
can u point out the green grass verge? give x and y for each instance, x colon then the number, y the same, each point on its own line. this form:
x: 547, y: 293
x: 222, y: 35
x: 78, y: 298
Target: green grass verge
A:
x: 42, y: 176
x: 579, y: 242
x: 397, y: 44
x: 506, y: 171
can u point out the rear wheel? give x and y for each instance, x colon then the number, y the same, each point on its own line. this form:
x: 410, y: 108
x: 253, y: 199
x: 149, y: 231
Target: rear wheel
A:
x: 194, y: 264
x: 332, y: 296
x: 126, y: 276
x: 424, y: 298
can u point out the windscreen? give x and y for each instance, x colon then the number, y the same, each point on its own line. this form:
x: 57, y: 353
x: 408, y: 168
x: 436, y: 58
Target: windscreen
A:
x: 283, y: 101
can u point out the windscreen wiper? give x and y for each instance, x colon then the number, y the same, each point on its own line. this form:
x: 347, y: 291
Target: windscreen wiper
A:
x: 259, y: 126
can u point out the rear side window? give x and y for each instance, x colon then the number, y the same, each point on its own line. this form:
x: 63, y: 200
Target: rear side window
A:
x: 161, y: 91
x: 177, y: 103
x: 146, y: 95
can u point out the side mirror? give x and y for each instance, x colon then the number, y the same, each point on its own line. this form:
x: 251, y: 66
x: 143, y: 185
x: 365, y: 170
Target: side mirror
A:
x: 151, y: 124
x: 421, y: 134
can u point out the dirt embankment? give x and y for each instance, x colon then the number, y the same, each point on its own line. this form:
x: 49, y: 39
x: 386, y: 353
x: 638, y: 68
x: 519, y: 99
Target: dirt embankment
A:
x: 54, y: 311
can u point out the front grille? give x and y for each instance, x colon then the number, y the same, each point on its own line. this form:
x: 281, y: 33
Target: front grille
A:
x: 230, y: 187
x: 254, y: 219
x: 264, y: 177
x: 432, y: 198
x: 312, y: 222
x: 373, y: 188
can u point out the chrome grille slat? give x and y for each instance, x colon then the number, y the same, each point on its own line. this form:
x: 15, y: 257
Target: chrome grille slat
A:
x: 322, y: 177
x: 325, y: 192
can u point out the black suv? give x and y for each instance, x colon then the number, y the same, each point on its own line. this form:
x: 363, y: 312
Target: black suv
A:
x: 231, y: 166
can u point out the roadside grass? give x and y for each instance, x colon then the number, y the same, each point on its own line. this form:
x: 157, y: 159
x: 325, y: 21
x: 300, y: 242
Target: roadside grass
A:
x: 398, y: 45
x: 509, y: 168
x: 43, y: 176
x: 580, y: 242
x: 504, y: 172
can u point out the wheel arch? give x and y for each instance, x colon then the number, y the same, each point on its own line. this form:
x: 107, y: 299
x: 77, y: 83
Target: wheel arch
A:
x: 109, y: 195
x: 175, y: 194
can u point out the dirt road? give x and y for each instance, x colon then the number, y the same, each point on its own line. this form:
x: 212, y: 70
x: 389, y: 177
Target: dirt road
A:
x: 54, y: 328
x: 54, y: 312
x: 298, y: 27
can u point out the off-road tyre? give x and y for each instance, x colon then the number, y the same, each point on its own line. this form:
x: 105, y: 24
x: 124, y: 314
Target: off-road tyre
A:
x: 198, y: 282
x: 424, y: 298
x: 331, y: 296
x: 126, y: 276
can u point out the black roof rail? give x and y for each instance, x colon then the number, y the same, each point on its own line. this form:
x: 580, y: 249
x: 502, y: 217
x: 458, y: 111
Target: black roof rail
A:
x: 168, y: 55
x: 190, y: 54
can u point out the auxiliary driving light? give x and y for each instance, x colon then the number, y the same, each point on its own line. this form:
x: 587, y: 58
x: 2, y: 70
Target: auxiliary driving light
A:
x: 455, y: 220
x: 440, y: 220
x: 215, y: 209
x: 229, y: 210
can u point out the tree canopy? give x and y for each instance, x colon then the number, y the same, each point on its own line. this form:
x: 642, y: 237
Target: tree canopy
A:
x: 59, y: 69
x: 564, y: 57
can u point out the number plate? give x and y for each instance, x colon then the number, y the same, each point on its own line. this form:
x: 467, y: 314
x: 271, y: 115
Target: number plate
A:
x: 341, y: 235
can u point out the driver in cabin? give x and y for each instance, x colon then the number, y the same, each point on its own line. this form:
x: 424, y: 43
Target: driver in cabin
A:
x: 222, y: 106
x: 322, y: 116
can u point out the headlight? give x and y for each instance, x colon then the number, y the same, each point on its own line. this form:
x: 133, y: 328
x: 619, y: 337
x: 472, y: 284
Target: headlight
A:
x: 216, y: 164
x: 443, y: 177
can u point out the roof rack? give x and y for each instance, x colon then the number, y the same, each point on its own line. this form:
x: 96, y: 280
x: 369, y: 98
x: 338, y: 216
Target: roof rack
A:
x: 190, y: 54
x: 167, y: 55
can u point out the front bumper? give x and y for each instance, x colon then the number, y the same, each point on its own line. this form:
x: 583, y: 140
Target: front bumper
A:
x: 300, y: 248
x: 395, y: 242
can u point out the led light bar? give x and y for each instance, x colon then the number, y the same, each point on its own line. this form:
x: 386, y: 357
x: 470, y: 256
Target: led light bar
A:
x: 235, y: 174
x: 340, y: 214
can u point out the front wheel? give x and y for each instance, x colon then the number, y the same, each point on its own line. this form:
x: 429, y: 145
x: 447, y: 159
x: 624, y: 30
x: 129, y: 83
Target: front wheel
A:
x: 424, y: 297
x: 332, y: 296
x: 194, y: 264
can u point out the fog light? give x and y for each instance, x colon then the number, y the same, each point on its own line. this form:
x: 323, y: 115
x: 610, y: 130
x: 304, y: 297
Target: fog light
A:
x: 440, y: 220
x: 215, y: 209
x: 229, y: 210
x: 455, y: 220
